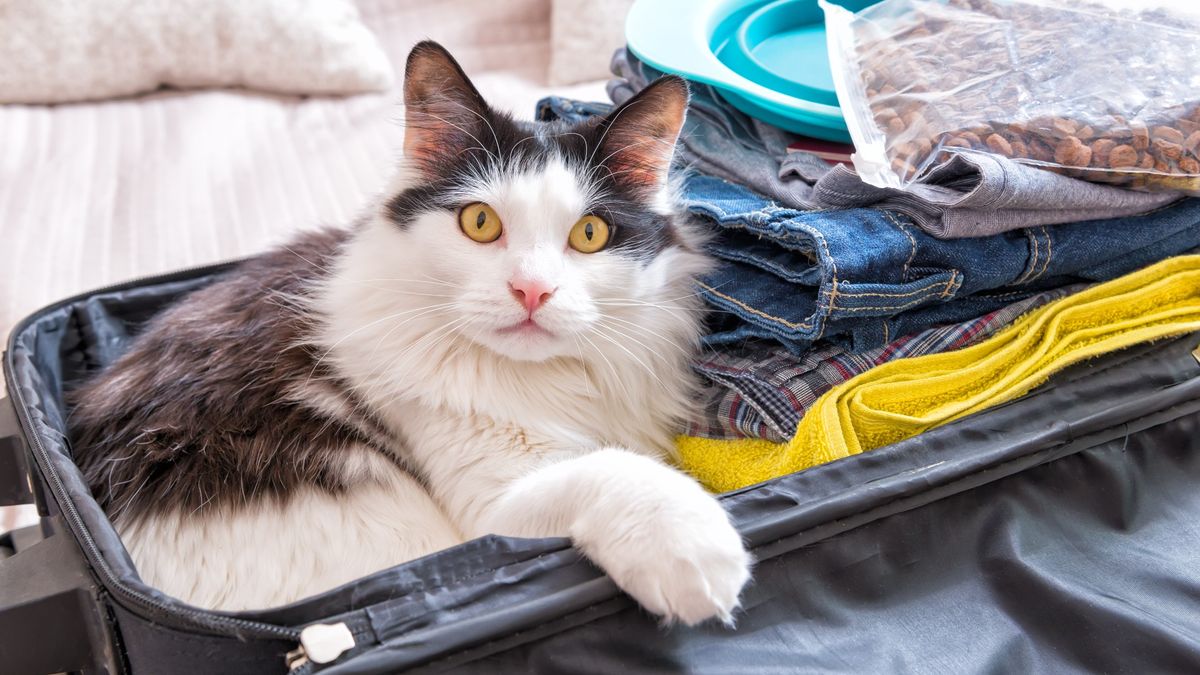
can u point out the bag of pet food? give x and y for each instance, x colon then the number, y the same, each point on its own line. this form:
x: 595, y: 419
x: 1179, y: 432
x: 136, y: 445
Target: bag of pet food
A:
x: 1090, y: 90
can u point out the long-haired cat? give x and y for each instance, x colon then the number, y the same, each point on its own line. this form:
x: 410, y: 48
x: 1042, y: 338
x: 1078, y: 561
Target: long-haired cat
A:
x: 501, y: 347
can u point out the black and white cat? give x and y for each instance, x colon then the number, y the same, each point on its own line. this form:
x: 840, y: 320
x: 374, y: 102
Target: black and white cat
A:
x: 501, y: 347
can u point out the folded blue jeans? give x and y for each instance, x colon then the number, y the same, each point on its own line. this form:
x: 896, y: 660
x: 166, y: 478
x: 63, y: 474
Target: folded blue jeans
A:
x: 863, y: 277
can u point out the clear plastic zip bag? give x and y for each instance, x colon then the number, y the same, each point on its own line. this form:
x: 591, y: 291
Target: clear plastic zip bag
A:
x: 1088, y: 90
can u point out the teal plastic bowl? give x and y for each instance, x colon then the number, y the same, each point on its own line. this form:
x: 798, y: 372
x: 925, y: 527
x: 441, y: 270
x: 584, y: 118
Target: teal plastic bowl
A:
x: 768, y: 58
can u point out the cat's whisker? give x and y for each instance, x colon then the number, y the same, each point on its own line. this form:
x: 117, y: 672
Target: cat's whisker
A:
x: 616, y: 375
x: 667, y: 340
x: 431, y: 309
x: 361, y: 328
x: 583, y: 367
x: 649, y: 350
x: 429, y: 340
x: 649, y: 370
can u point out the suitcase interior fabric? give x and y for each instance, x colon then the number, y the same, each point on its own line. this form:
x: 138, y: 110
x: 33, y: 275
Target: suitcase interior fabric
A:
x: 1052, y: 534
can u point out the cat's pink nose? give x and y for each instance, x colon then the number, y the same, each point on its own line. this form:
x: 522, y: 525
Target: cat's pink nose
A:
x: 531, y: 293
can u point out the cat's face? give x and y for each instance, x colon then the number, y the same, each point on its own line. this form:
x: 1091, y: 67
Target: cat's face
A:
x: 537, y: 241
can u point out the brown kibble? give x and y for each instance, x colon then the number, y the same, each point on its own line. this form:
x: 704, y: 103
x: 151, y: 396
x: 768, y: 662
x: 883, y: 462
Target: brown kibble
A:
x: 1019, y: 149
x: 1101, y: 149
x: 1122, y: 156
x: 1146, y: 161
x: 1161, y: 166
x: 971, y: 138
x: 913, y: 119
x: 924, y: 147
x: 1168, y: 134
x: 1085, y: 133
x: 1039, y: 151
x: 885, y: 114
x: 895, y: 126
x: 1141, y: 135
x: 1192, y: 143
x: 903, y: 168
x: 1000, y: 145
x: 886, y: 90
x: 1168, y: 150
x: 956, y: 142
x: 1119, y: 132
x: 1062, y: 127
x: 1189, y: 165
x: 1072, y: 152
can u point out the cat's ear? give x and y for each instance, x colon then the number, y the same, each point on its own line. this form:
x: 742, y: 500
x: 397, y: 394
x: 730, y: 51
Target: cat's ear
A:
x: 639, y: 136
x: 442, y: 109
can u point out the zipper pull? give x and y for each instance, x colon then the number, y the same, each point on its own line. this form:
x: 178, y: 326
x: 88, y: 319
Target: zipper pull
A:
x: 320, y: 643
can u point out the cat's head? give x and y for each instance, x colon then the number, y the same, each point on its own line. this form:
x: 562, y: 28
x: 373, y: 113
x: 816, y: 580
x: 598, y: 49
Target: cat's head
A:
x: 534, y: 240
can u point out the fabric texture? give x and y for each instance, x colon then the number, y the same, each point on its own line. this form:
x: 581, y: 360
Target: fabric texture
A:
x: 974, y: 194
x: 863, y: 277
x: 762, y: 390
x: 903, y: 398
x: 56, y: 51
x: 971, y: 195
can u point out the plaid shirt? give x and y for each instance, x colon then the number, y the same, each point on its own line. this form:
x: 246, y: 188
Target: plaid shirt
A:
x: 763, y: 392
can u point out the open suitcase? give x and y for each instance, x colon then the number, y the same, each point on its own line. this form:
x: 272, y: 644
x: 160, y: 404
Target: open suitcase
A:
x: 1057, y: 533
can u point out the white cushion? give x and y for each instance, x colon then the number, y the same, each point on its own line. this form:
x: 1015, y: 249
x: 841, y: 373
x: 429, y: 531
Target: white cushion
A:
x: 55, y: 51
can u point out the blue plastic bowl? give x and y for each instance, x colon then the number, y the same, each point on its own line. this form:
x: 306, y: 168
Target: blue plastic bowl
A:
x: 768, y: 58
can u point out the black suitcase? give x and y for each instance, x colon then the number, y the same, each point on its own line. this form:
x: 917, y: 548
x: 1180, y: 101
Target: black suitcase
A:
x: 1057, y: 533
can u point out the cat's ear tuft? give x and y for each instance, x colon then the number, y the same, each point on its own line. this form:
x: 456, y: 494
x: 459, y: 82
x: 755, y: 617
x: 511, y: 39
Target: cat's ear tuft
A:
x: 441, y: 106
x: 639, y: 136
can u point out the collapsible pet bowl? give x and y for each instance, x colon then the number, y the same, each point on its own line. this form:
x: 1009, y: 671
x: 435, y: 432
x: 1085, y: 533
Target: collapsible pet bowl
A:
x: 768, y: 58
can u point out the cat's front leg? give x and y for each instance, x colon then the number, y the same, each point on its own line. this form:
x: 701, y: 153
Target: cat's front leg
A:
x: 654, y: 530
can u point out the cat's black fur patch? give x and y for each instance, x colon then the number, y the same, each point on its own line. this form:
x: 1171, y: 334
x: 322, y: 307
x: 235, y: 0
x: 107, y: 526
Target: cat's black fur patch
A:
x: 204, y: 411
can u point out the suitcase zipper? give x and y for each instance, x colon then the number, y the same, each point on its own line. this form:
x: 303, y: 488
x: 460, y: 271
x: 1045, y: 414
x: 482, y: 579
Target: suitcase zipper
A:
x: 319, y: 643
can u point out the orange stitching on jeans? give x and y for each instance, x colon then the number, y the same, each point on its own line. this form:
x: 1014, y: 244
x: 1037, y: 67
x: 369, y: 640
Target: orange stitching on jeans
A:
x: 924, y: 289
x: 912, y: 254
x: 752, y: 310
x: 1049, y: 252
x: 1035, y: 256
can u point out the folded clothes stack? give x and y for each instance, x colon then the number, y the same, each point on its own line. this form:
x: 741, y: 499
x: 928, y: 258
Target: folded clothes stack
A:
x: 824, y: 279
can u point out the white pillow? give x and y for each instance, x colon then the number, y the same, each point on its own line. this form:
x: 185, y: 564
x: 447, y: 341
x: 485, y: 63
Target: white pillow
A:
x: 54, y: 51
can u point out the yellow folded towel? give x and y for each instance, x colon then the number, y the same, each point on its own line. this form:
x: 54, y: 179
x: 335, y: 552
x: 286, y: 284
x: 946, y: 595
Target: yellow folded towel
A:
x: 906, y: 397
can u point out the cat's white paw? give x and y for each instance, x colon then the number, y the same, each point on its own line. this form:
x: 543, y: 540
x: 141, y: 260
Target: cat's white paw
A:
x: 671, y: 547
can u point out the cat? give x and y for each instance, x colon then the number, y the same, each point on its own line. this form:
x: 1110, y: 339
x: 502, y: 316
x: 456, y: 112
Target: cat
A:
x: 501, y: 346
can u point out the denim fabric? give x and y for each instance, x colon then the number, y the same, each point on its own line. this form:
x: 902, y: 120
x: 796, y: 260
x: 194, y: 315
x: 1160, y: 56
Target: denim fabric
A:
x: 863, y: 277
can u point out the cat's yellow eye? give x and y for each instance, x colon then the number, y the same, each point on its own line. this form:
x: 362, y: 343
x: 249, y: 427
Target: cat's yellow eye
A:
x: 589, y: 235
x: 480, y: 222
